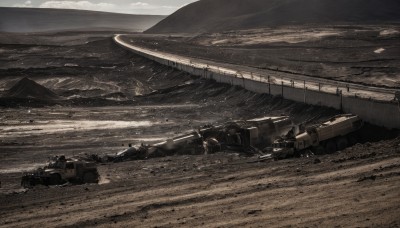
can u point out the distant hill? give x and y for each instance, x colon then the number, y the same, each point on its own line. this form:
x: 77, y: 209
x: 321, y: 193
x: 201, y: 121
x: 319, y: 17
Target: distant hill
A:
x: 27, y: 88
x: 222, y: 15
x: 41, y: 20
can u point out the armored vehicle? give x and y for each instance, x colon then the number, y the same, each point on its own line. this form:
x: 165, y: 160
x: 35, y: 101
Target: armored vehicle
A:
x: 61, y: 170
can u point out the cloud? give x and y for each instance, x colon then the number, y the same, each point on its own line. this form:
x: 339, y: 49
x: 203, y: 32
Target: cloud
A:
x: 83, y: 5
x: 143, y: 7
x: 26, y: 4
x: 132, y: 7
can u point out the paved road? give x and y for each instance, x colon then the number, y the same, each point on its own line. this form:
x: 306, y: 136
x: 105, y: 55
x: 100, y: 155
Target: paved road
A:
x: 298, y: 81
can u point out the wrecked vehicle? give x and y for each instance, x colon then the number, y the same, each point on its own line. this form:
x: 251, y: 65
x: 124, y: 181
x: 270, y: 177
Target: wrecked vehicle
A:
x: 242, y: 136
x: 131, y: 153
x: 248, y: 135
x: 191, y: 143
x: 61, y: 170
x: 328, y: 137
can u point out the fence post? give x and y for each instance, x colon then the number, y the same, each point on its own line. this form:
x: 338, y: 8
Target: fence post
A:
x: 341, y: 100
x: 269, y: 85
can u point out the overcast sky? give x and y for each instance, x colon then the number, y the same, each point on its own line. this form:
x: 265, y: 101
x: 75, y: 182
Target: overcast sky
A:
x: 154, y: 7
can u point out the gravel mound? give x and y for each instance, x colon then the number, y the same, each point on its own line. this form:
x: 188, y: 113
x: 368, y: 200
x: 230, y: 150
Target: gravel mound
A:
x: 27, y: 88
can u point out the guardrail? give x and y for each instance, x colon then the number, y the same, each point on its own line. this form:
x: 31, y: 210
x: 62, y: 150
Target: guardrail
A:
x: 343, y: 87
x: 382, y: 109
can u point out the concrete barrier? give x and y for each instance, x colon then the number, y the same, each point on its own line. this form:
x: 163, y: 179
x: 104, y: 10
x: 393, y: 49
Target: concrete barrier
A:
x: 386, y: 114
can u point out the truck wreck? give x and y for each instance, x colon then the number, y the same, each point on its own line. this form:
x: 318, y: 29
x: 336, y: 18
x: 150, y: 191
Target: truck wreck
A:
x: 247, y: 136
x: 276, y: 135
x: 335, y: 134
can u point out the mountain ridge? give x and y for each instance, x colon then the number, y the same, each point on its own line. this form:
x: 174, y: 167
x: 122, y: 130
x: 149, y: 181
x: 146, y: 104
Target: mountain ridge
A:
x: 224, y: 15
x: 46, y: 20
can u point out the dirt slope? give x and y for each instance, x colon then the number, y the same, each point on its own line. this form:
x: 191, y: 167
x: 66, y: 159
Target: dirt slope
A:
x: 39, y: 20
x: 222, y: 15
x: 27, y: 88
x: 358, y: 187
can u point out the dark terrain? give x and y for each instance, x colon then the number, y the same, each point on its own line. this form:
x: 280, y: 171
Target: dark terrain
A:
x: 108, y: 97
x: 24, y: 20
x: 224, y: 15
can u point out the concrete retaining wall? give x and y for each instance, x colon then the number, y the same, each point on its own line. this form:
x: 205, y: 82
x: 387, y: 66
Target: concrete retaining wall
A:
x: 384, y: 114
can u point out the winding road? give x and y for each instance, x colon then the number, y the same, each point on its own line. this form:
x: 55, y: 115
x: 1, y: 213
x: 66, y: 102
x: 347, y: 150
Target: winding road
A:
x: 297, y: 81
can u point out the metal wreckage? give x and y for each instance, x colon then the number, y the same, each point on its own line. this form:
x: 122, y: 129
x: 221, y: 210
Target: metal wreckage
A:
x: 270, y: 137
x: 244, y: 136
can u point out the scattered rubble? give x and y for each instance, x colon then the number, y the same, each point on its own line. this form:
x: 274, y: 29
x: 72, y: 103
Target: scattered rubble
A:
x: 241, y: 136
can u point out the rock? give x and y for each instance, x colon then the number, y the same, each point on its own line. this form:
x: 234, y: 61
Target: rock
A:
x: 252, y: 212
x: 372, y: 177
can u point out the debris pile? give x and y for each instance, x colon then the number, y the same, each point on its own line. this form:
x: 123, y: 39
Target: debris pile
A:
x: 245, y: 136
x: 269, y: 137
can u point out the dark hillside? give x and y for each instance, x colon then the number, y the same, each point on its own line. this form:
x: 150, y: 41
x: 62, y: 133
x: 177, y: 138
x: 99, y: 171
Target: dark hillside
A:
x: 41, y: 20
x: 222, y: 15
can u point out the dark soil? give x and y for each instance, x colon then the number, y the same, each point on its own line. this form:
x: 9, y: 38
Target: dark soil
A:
x: 114, y: 98
x: 366, y: 55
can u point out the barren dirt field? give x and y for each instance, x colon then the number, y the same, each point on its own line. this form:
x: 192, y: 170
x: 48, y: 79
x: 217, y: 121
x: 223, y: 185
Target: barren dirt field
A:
x: 108, y: 98
x: 363, y: 54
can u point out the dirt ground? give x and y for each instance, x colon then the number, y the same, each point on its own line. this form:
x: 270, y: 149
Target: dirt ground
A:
x: 363, y: 54
x: 358, y: 187
x: 112, y: 98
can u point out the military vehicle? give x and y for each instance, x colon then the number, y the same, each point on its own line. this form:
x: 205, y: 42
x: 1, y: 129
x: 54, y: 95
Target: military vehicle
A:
x: 246, y: 135
x: 191, y: 143
x: 328, y: 137
x: 61, y: 170
x: 243, y: 136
